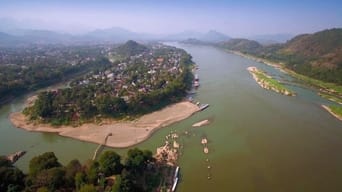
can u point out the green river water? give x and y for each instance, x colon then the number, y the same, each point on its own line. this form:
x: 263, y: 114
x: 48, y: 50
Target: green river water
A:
x: 258, y: 140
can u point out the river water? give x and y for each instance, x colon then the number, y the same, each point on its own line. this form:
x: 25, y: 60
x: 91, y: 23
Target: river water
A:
x: 258, y: 140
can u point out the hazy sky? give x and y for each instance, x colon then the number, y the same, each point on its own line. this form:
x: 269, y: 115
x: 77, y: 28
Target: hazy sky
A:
x: 235, y: 18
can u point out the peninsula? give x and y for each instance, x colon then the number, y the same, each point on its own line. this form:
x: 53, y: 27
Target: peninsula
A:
x: 142, y: 89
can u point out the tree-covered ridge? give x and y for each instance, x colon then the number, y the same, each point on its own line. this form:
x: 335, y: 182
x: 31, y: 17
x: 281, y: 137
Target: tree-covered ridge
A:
x: 242, y: 45
x: 131, y: 48
x: 131, y: 86
x: 139, y: 171
x: 317, y: 55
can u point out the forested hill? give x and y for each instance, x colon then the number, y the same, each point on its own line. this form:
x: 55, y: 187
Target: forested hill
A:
x: 131, y: 48
x: 317, y: 55
x: 242, y: 45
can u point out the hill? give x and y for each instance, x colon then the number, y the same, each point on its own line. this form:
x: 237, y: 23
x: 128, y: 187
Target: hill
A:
x: 317, y: 55
x: 242, y: 45
x: 131, y: 48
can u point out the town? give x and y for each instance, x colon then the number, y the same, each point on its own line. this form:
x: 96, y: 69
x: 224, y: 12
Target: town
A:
x: 131, y: 79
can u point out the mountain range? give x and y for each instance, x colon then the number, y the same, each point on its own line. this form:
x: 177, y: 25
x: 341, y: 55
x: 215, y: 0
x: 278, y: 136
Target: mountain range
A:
x: 110, y: 35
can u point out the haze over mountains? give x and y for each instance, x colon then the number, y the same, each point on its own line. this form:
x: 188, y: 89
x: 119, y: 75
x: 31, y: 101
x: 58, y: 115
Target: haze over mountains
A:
x: 19, y: 36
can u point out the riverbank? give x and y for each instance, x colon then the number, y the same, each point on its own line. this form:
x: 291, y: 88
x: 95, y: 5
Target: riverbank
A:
x: 324, y: 88
x: 124, y: 133
x: 268, y: 82
x: 332, y: 112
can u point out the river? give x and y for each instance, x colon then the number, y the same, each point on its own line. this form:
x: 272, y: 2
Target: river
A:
x: 258, y: 140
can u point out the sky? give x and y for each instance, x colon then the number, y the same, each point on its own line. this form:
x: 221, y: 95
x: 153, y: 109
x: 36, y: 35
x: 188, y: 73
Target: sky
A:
x: 235, y: 18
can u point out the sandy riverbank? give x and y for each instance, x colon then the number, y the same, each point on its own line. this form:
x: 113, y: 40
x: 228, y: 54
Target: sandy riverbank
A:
x: 331, y: 112
x: 124, y: 133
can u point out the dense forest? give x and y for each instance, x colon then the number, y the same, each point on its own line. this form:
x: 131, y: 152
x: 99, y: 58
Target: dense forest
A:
x: 139, y: 171
x: 317, y: 55
x: 136, y: 84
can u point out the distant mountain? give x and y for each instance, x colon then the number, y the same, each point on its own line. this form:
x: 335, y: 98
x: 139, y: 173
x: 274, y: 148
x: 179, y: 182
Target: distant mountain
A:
x: 112, y: 34
x: 8, y: 40
x: 131, y: 48
x: 209, y: 37
x: 214, y: 36
x: 195, y: 42
x: 45, y: 36
x: 242, y: 45
x: 182, y: 36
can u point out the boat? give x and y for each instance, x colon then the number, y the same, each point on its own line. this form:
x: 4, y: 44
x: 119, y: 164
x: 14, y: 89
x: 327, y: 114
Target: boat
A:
x: 175, y: 182
x: 196, y: 84
x: 196, y: 77
x: 176, y: 172
x: 175, y: 179
x: 203, y: 106
x: 15, y: 156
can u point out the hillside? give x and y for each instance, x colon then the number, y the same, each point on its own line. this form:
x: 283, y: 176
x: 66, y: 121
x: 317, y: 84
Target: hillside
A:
x: 242, y: 45
x: 131, y: 48
x: 317, y: 55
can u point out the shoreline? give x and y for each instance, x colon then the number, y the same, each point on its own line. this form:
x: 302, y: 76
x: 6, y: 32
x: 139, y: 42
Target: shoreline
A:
x: 124, y: 133
x: 331, y: 112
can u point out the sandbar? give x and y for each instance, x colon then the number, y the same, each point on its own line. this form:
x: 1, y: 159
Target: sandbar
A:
x: 123, y: 133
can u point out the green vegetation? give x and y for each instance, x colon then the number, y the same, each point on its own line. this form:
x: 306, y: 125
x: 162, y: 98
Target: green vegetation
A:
x: 12, y: 179
x: 242, y: 45
x: 317, y: 55
x: 25, y: 69
x: 336, y: 109
x: 138, y: 172
x: 134, y: 86
x: 331, y: 97
x: 268, y: 82
x: 313, y: 58
x: 131, y: 48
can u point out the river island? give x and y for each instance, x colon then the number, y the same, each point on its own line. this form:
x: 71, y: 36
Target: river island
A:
x: 267, y: 82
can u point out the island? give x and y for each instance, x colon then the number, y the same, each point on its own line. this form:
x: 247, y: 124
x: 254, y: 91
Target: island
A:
x: 267, y: 82
x: 142, y: 89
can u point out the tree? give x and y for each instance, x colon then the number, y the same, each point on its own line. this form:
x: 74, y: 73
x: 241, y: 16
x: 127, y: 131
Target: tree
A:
x: 138, y: 159
x: 117, y: 184
x: 45, y: 161
x: 72, y: 169
x: 88, y: 188
x: 92, y: 171
x: 80, y: 179
x: 53, y: 178
x: 11, y: 178
x: 110, y: 163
